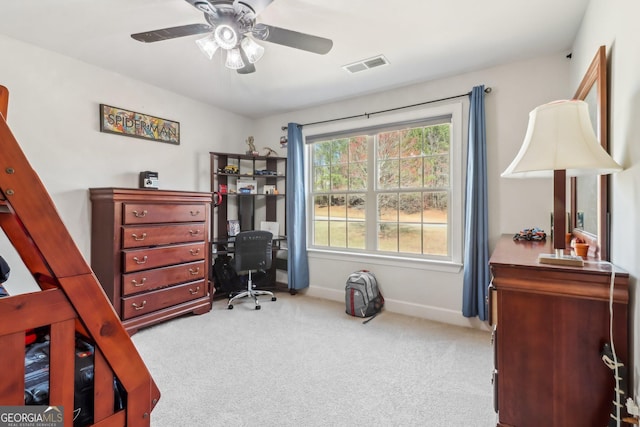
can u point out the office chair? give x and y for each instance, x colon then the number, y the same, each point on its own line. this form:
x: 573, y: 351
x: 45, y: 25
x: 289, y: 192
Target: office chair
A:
x: 252, y: 252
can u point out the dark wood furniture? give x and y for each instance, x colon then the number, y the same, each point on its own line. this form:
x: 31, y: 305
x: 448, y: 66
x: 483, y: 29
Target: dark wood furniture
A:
x: 550, y: 325
x: 149, y: 249
x: 234, y: 204
x: 71, y: 302
x: 249, y: 209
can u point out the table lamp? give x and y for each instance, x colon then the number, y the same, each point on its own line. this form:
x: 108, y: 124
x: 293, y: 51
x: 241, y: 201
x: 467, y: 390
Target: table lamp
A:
x: 560, y: 142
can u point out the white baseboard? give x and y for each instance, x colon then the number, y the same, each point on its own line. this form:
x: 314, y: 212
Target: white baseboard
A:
x: 437, y: 314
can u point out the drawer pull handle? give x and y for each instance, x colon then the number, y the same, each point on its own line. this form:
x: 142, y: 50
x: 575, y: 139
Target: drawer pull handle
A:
x: 139, y: 239
x: 194, y: 232
x: 144, y: 260
x: 194, y: 272
x: 192, y: 292
x: 139, y: 307
x: 195, y: 213
x: 135, y: 283
x: 194, y: 251
x: 140, y: 214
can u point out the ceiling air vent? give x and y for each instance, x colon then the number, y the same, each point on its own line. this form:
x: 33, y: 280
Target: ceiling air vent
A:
x: 366, y: 64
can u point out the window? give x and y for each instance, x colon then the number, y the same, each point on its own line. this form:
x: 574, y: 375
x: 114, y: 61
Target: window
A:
x: 387, y: 189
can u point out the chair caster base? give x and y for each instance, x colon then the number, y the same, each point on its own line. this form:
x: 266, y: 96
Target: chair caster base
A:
x: 252, y: 294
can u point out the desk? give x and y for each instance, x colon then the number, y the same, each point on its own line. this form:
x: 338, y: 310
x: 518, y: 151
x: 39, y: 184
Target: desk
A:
x: 550, y: 323
x: 225, y: 245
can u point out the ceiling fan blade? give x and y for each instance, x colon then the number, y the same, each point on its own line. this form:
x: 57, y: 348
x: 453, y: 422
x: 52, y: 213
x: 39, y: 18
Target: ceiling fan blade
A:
x: 172, y: 33
x: 293, y: 39
x: 247, y: 69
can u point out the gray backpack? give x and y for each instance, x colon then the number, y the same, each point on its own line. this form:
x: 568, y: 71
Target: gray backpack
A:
x: 362, y: 295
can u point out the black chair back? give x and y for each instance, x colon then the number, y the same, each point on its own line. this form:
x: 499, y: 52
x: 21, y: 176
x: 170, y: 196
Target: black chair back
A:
x: 253, y: 250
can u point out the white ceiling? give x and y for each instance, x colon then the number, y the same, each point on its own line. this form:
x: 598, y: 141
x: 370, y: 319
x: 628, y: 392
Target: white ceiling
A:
x: 422, y: 39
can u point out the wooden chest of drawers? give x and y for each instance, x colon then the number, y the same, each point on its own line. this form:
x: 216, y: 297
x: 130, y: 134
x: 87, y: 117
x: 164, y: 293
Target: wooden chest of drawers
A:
x: 550, y: 325
x: 149, y: 249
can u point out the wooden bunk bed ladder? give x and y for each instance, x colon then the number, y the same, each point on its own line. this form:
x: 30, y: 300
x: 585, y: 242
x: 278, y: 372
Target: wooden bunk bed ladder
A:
x: 71, y: 302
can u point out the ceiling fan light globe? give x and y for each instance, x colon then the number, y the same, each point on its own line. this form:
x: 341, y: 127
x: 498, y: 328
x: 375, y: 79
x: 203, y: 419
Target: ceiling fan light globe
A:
x: 234, y: 59
x: 226, y: 36
x: 252, y: 50
x: 208, y: 45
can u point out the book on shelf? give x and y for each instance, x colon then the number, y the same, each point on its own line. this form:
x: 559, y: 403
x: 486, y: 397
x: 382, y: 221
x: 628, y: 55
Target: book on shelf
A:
x: 233, y: 227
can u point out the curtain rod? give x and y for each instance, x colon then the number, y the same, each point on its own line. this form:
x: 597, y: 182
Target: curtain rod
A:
x: 367, y: 115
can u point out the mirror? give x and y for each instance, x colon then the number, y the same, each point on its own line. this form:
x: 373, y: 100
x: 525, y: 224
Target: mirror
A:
x: 589, y: 209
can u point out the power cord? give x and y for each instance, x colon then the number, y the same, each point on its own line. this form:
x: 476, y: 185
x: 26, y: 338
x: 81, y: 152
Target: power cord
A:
x: 613, y: 364
x: 613, y: 347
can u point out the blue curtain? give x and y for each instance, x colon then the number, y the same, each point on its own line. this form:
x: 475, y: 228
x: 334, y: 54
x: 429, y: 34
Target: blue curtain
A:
x: 298, y: 264
x: 476, y: 245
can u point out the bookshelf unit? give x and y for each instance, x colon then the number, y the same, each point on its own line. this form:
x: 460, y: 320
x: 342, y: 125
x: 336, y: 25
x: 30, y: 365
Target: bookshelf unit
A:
x: 239, y: 195
x: 265, y: 207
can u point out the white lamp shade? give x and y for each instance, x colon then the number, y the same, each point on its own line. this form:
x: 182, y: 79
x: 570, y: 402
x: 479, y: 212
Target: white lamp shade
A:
x: 208, y: 45
x: 234, y: 59
x: 252, y: 49
x: 560, y: 136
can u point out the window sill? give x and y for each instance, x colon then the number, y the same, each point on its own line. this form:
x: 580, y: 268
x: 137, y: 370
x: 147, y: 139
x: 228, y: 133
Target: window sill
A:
x: 386, y: 260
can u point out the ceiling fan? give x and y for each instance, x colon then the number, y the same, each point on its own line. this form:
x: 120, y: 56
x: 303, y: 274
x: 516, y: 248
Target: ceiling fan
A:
x: 231, y: 26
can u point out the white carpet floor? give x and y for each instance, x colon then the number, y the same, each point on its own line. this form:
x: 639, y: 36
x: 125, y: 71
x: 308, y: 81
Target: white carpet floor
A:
x: 301, y: 361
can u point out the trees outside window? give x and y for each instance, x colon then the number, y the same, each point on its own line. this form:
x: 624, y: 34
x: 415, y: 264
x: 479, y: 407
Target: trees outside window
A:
x: 384, y: 190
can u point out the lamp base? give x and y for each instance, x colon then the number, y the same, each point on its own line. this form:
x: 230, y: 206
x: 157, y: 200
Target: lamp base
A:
x: 555, y: 259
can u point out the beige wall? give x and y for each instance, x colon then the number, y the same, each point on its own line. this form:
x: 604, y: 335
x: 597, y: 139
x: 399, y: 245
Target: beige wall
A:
x: 614, y: 24
x: 425, y: 290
